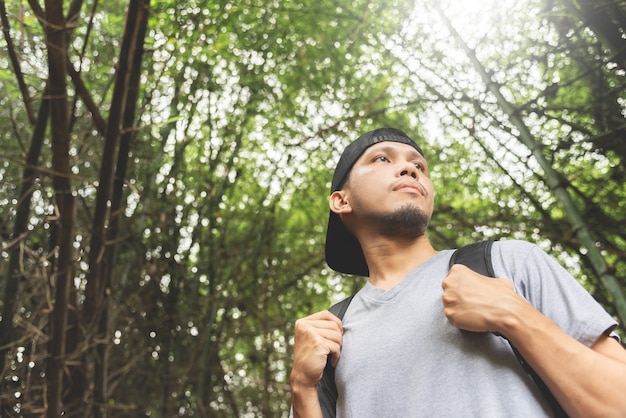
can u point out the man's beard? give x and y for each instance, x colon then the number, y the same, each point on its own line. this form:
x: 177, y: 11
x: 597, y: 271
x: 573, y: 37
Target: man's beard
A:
x: 409, y: 222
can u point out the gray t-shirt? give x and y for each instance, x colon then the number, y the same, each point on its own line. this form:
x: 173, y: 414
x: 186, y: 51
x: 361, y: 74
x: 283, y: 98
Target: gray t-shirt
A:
x: 402, y: 358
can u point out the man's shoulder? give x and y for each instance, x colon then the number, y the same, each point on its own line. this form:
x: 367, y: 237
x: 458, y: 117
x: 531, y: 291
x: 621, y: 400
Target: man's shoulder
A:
x: 515, y: 246
x: 511, y: 258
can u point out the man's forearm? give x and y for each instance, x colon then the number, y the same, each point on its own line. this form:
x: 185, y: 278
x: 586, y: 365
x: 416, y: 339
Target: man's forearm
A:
x: 587, y: 382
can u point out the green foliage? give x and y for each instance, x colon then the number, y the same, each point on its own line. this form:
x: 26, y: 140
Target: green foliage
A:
x: 242, y: 110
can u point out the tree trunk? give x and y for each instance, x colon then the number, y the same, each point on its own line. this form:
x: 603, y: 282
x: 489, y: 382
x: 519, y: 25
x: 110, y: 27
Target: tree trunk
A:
x: 106, y: 218
x: 14, y: 275
x: 54, y: 26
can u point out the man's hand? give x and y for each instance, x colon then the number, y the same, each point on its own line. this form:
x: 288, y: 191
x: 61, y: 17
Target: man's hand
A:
x: 474, y: 302
x: 316, y: 337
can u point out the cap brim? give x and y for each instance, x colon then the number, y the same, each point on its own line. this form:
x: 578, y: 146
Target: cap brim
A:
x: 343, y: 251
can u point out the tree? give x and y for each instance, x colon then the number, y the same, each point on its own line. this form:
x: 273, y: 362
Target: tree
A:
x: 197, y: 141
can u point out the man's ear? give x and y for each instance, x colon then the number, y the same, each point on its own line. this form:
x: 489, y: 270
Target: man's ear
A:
x: 339, y: 203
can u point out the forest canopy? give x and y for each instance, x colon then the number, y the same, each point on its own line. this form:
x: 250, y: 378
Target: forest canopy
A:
x: 165, y: 170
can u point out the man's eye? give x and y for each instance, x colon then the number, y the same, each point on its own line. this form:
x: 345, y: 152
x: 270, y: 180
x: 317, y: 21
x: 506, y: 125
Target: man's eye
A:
x: 420, y: 166
x: 381, y: 158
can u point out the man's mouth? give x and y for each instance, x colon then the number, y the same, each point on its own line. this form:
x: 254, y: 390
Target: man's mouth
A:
x: 410, y: 188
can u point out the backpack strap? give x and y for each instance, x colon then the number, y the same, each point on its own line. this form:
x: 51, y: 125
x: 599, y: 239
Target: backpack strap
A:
x: 339, y: 308
x: 477, y: 256
x: 327, y: 386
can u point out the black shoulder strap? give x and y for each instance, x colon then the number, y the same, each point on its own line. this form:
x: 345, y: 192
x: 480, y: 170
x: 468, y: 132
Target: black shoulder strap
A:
x: 339, y: 308
x: 326, y: 388
x: 477, y: 256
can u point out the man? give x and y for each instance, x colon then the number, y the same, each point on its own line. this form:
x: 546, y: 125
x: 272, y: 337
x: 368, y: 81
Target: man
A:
x: 420, y: 340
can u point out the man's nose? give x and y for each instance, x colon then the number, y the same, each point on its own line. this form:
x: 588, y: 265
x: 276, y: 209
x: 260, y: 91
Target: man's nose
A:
x: 409, y: 169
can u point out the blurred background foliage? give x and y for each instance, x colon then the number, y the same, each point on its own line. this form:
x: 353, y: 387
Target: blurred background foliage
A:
x: 160, y: 240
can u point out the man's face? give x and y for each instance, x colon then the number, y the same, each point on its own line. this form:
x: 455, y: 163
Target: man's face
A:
x: 390, y: 179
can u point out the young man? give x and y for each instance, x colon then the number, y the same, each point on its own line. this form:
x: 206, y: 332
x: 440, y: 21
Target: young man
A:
x: 420, y: 340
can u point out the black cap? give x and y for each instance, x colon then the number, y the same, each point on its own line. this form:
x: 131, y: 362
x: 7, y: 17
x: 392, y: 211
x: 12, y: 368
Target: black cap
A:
x: 343, y: 251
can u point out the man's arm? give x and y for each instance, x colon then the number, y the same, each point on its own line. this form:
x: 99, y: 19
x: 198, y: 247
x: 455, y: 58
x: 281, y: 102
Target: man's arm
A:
x: 587, y: 382
x: 316, y: 337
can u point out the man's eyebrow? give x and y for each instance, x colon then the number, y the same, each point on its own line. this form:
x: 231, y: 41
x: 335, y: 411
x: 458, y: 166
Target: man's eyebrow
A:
x: 393, y: 150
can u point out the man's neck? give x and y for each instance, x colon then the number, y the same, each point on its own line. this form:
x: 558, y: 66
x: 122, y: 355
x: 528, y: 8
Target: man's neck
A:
x: 389, y: 261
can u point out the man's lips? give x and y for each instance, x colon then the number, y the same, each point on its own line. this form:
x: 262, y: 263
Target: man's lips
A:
x: 409, y: 187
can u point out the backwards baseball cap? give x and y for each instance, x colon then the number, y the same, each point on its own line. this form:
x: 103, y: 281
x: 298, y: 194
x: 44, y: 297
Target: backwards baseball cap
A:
x: 343, y: 251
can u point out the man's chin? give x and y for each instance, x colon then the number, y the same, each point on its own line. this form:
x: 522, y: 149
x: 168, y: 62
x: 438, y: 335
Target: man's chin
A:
x: 409, y: 221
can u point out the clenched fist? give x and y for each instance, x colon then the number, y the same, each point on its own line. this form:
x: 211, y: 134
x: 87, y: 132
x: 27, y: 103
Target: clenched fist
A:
x: 316, y: 337
x: 474, y: 302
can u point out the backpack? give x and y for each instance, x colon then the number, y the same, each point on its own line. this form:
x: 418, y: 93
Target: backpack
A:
x: 476, y: 256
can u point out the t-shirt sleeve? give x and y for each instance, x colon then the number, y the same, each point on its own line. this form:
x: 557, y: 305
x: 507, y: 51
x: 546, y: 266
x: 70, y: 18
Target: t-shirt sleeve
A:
x: 552, y: 290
